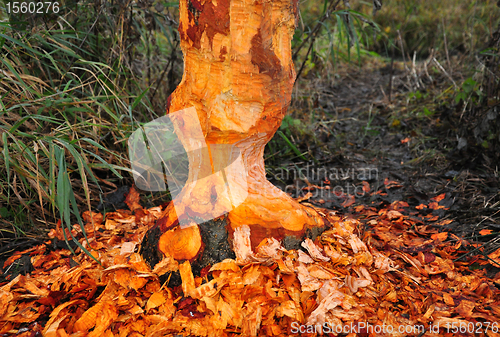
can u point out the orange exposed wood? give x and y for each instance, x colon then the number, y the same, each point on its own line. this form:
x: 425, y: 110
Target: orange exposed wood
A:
x: 238, y: 75
x: 181, y: 244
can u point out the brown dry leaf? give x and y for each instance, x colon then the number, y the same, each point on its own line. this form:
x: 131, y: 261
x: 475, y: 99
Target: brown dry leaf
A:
x: 305, y: 197
x: 350, y: 200
x: 465, y: 308
x: 92, y: 218
x: 132, y: 199
x: 391, y: 215
x: 366, y: 187
x: 439, y: 236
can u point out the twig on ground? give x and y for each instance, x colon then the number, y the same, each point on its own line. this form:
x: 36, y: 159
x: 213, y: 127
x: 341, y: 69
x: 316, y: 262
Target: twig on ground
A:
x: 444, y: 71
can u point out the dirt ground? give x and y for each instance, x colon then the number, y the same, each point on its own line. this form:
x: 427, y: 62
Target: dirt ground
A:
x: 367, y: 130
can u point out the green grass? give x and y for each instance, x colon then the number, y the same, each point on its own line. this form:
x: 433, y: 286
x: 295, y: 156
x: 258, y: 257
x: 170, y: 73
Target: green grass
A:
x: 72, y: 89
x: 422, y: 26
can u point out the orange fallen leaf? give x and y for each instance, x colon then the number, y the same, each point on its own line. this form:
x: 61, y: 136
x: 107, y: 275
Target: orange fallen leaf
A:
x: 435, y: 205
x: 132, y: 199
x: 495, y: 254
x: 366, y: 187
x: 393, y: 215
x: 406, y: 140
x: 421, y: 206
x: 391, y: 184
x: 448, y: 299
x: 155, y: 300
x: 305, y: 197
x: 439, y: 197
x: 90, y: 217
x: 439, y: 236
x: 444, y: 222
x: 485, y: 231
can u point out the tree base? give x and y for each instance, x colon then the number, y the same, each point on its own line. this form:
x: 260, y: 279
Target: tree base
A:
x: 216, y: 243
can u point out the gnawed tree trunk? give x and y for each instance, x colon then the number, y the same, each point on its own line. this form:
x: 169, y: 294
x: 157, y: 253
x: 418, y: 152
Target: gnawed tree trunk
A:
x: 237, y: 84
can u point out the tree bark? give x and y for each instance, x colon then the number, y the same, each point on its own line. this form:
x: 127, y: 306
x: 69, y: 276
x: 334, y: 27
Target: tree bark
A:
x: 237, y: 85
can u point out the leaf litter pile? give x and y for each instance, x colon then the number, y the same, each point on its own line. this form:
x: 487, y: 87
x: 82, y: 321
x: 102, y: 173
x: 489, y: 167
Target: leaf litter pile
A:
x: 397, y: 278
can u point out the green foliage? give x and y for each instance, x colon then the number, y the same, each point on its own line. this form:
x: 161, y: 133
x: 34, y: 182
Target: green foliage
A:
x: 330, y: 34
x: 420, y: 26
x: 470, y: 91
x: 290, y: 124
x: 73, y: 87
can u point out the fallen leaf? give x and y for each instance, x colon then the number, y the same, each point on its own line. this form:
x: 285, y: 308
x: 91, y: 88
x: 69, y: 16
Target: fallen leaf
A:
x: 305, y: 197
x: 439, y: 236
x: 391, y: 215
x: 155, y: 300
x: 349, y: 201
x: 439, y: 197
x: 132, y: 199
x: 366, y: 187
x: 485, y: 231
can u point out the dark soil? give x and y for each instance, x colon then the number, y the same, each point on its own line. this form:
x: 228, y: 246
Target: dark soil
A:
x: 364, y: 132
